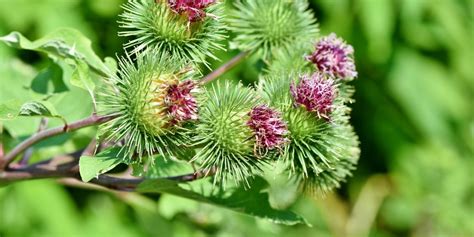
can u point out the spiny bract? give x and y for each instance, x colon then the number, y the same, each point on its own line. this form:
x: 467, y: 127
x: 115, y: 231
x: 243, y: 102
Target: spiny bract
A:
x: 223, y: 137
x: 269, y: 25
x: 150, y: 100
x: 158, y: 26
x: 321, y: 153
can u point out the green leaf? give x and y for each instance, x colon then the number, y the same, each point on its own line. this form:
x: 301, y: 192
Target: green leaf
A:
x: 9, y: 110
x: 92, y: 166
x: 111, y: 63
x: 49, y: 80
x: 253, y: 201
x: 163, y: 167
x: 39, y: 109
x: 82, y: 79
x: 64, y: 43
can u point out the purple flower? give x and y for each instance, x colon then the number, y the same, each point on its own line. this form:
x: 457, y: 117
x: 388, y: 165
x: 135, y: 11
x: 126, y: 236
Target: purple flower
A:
x: 268, y: 127
x: 334, y: 57
x: 182, y: 105
x: 316, y: 93
x: 194, y: 9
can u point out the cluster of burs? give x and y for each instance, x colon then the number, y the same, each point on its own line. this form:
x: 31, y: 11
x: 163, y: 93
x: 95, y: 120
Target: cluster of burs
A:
x: 293, y: 121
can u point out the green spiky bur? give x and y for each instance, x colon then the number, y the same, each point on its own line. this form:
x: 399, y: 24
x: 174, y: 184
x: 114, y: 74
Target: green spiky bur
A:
x: 136, y: 98
x: 224, y: 139
x: 269, y: 25
x: 153, y: 25
x: 321, y: 154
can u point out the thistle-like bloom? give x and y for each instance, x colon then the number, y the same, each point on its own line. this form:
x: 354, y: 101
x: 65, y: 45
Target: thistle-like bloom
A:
x: 222, y: 133
x: 268, y: 127
x: 194, y: 9
x: 182, y: 105
x: 316, y: 93
x: 320, y: 154
x: 168, y: 26
x: 150, y: 97
x: 334, y: 57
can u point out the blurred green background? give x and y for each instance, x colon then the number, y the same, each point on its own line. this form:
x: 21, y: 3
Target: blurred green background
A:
x: 414, y: 115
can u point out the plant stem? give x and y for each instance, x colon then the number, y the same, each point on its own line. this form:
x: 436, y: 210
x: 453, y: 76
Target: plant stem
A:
x: 59, y: 167
x: 68, y: 167
x: 87, y: 122
x: 225, y: 68
x: 27, y: 154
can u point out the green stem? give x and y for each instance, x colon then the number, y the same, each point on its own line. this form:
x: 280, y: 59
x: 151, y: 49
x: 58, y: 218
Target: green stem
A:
x: 42, y: 135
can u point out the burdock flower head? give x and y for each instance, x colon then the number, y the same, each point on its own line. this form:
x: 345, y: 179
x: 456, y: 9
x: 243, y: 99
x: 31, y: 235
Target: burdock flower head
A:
x: 334, y: 57
x: 194, y: 9
x: 222, y: 133
x: 268, y: 127
x: 178, y: 27
x: 316, y: 93
x: 182, y: 105
x: 151, y: 99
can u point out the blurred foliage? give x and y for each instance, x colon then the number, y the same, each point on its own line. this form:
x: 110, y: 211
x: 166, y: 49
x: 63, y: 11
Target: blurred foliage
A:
x: 414, y: 116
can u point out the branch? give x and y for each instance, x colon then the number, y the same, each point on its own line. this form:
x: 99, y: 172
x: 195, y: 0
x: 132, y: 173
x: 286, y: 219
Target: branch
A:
x: 27, y: 155
x: 87, y: 122
x: 225, y: 68
x: 68, y: 167
x: 130, y: 184
x: 59, y: 167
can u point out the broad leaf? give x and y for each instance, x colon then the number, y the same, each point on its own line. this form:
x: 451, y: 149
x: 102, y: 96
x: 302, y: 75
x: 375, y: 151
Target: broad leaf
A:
x: 111, y: 63
x: 49, y: 80
x: 67, y: 45
x: 39, y: 109
x: 161, y: 167
x: 64, y: 43
x: 82, y: 79
x: 9, y: 110
x: 253, y: 201
x: 92, y: 166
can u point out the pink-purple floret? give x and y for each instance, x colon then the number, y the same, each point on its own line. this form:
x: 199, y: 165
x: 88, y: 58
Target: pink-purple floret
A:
x: 316, y: 93
x: 268, y: 127
x: 182, y: 105
x: 194, y: 9
x: 332, y: 56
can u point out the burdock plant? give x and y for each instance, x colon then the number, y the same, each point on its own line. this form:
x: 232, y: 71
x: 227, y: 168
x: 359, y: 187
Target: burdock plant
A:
x: 191, y: 30
x: 151, y: 99
x: 156, y: 113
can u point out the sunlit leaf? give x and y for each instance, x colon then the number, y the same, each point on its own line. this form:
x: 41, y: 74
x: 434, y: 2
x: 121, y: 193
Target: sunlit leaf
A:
x: 49, y: 80
x: 39, y: 109
x: 64, y: 43
x: 92, y: 166
x: 82, y: 79
x: 253, y: 201
x: 9, y: 110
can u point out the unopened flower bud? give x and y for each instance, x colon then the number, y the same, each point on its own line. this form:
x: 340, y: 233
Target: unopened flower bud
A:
x: 332, y: 56
x: 182, y: 105
x: 268, y: 127
x: 194, y: 9
x: 316, y: 93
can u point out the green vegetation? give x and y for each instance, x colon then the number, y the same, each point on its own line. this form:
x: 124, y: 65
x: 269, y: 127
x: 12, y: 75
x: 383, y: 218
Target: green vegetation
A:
x: 413, y: 115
